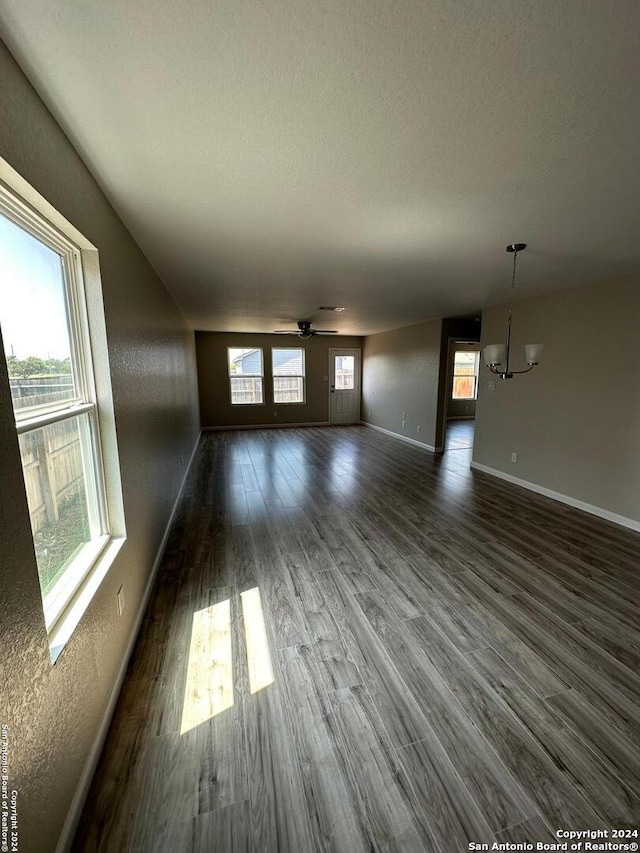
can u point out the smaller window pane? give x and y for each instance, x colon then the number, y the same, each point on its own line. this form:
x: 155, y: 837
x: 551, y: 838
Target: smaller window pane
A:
x: 246, y: 390
x: 344, y: 372
x: 33, y: 316
x: 59, y: 474
x: 245, y: 362
x: 288, y: 389
x: 288, y: 362
x: 463, y: 388
x: 465, y: 362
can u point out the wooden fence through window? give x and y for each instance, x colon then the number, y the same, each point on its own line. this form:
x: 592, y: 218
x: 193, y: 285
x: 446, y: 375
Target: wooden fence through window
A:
x: 51, y: 456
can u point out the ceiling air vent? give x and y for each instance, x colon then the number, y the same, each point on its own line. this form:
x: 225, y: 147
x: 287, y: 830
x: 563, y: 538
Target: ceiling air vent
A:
x: 330, y: 308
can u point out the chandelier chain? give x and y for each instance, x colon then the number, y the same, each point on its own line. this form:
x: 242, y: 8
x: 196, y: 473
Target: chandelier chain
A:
x: 513, y: 285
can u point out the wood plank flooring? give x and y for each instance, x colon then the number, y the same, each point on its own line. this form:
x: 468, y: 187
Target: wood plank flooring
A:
x: 432, y: 657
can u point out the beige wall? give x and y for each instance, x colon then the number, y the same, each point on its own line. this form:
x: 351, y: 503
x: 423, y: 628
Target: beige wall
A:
x: 54, y: 713
x: 574, y: 420
x: 213, y: 379
x: 401, y: 374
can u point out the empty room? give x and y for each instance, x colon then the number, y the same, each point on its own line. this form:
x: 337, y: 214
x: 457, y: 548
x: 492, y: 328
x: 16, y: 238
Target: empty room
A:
x: 319, y: 426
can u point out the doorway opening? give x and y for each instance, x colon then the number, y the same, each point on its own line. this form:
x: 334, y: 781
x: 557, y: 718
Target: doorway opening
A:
x: 463, y: 367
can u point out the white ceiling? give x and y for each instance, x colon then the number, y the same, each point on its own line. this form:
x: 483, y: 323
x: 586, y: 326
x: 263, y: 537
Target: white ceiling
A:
x: 270, y: 156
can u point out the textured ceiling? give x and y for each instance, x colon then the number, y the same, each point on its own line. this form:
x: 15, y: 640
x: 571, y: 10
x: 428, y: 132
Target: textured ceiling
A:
x: 270, y: 156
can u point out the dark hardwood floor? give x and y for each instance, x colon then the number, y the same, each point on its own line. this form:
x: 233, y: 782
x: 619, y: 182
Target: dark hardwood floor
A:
x: 459, y: 435
x: 353, y: 645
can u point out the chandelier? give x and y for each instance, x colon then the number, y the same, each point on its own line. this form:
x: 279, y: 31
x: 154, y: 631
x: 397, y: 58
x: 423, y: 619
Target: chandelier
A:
x: 497, y: 356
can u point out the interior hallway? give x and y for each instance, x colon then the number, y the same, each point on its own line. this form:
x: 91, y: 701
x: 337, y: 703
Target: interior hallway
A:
x: 453, y: 659
x: 459, y: 435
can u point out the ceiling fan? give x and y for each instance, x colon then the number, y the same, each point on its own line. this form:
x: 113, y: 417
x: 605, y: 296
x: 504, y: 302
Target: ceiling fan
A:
x: 304, y: 331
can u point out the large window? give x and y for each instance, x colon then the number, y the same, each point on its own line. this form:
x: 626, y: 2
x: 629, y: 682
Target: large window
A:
x: 46, y: 341
x: 288, y: 374
x: 465, y: 375
x: 246, y: 375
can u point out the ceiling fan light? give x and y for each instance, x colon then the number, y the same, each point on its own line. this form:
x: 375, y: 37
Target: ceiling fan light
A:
x: 493, y: 354
x: 533, y: 352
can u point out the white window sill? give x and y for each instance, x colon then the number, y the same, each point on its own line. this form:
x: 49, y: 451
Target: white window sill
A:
x: 67, y: 620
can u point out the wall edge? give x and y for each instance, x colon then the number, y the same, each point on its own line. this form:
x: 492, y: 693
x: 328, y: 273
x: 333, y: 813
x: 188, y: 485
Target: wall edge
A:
x: 269, y: 426
x: 607, y: 515
x: 74, y: 813
x: 404, y: 438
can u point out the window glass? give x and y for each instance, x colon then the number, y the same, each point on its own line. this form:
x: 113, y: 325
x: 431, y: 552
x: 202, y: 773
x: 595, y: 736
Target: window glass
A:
x: 46, y: 341
x: 465, y: 375
x: 288, y: 374
x: 344, y: 370
x: 246, y: 375
x: 57, y: 461
x: 37, y: 340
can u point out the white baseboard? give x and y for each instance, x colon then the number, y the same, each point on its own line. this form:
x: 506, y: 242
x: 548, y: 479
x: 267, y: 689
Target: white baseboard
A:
x: 77, y: 803
x: 404, y: 438
x: 266, y: 426
x: 631, y: 523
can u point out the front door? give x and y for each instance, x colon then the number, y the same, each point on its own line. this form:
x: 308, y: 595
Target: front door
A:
x: 344, y: 387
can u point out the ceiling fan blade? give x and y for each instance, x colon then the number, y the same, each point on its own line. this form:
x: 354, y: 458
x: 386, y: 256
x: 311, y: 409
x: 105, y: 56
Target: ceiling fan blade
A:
x: 305, y: 330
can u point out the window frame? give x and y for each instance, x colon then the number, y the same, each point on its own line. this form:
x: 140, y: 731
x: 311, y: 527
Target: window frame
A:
x: 231, y: 376
x: 474, y: 376
x: 302, y: 376
x: 66, y: 601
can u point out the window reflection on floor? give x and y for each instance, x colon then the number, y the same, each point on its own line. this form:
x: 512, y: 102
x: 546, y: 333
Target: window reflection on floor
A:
x: 209, y: 684
x: 258, y: 657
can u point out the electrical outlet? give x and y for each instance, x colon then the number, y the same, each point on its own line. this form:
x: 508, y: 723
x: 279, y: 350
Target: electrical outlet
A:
x: 514, y: 457
x: 120, y: 600
x: 275, y: 414
x: 404, y: 416
x: 403, y: 424
x: 181, y: 461
x: 418, y: 428
x: 492, y: 385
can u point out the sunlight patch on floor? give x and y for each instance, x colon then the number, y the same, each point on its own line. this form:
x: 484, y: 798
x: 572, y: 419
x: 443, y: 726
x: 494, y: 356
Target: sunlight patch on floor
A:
x: 209, y: 684
x: 258, y: 657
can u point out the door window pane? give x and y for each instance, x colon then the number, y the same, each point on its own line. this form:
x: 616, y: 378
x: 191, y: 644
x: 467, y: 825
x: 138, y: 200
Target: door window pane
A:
x: 344, y: 372
x: 34, y: 322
